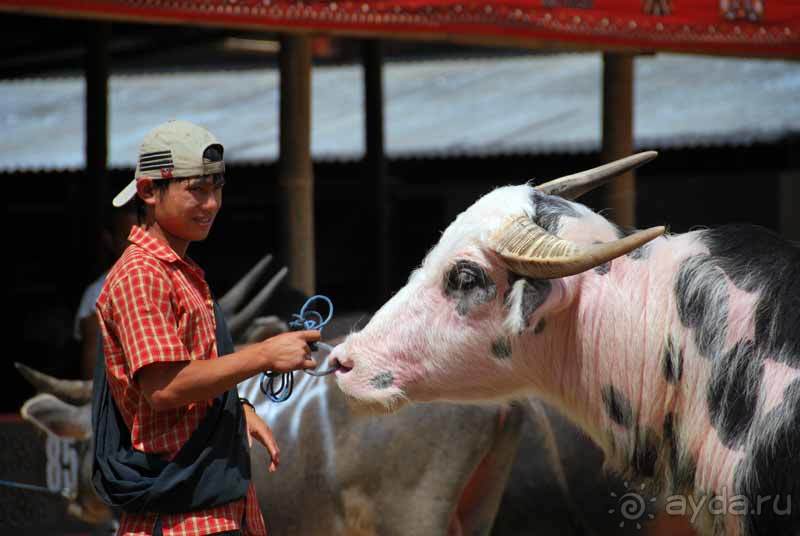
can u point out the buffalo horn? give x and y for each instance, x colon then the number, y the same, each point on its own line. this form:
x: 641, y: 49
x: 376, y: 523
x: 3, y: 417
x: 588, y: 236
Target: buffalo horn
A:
x: 529, y: 250
x: 574, y: 186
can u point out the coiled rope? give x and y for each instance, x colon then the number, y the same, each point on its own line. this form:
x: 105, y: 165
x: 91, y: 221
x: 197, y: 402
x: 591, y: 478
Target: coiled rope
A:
x: 307, y: 319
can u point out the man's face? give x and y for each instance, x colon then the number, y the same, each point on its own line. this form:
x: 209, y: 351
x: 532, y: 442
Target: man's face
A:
x: 187, y: 208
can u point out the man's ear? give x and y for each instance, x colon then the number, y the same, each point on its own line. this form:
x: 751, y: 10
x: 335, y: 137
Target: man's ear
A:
x: 529, y: 301
x: 145, y: 189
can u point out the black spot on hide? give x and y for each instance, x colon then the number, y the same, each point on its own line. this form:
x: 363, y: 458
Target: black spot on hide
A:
x: 604, y: 268
x: 469, y: 285
x: 534, y: 294
x: 383, y: 380
x: 639, y: 253
x: 673, y: 361
x: 645, y: 455
x: 540, y: 325
x: 733, y: 390
x: 759, y: 260
x: 618, y: 407
x: 682, y: 469
x: 501, y: 348
x: 773, y: 470
x: 700, y: 291
x: 548, y: 210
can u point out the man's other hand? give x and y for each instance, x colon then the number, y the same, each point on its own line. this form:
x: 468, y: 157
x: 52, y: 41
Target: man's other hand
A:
x: 257, y: 428
x: 288, y: 351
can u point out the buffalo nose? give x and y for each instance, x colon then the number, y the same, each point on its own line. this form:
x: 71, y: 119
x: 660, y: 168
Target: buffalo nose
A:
x: 341, y: 362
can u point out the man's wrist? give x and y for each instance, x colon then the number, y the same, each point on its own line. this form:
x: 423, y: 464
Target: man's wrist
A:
x: 246, y: 402
x: 260, y: 358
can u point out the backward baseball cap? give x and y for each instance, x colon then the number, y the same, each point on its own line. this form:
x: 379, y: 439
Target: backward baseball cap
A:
x: 173, y: 149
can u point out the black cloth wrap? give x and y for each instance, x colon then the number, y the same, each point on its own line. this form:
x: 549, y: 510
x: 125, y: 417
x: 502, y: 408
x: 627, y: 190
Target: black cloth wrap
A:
x: 211, y: 469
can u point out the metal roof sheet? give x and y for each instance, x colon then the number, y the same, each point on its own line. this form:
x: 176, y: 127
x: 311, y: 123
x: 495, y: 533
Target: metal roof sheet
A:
x: 524, y: 104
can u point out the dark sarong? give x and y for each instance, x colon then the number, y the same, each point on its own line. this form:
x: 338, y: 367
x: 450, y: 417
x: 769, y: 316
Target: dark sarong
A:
x: 211, y: 469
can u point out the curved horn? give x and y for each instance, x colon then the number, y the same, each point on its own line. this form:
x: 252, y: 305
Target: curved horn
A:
x: 242, y: 319
x: 529, y: 250
x: 73, y: 391
x: 574, y: 186
x: 234, y: 298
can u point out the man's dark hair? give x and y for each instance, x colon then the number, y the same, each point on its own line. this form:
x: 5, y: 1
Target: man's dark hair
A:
x: 213, y: 153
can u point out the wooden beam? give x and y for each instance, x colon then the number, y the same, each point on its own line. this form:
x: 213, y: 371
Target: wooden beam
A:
x: 296, y: 178
x: 375, y: 164
x: 618, y: 134
x: 96, y: 140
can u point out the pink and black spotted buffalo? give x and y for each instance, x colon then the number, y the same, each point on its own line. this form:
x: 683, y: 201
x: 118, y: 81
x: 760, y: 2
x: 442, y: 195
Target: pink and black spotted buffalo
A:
x: 678, y: 355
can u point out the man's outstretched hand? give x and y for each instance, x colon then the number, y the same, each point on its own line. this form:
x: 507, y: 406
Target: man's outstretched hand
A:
x: 288, y: 351
x: 257, y: 428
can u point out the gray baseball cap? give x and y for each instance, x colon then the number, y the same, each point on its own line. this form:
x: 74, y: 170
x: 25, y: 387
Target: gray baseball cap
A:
x: 172, y: 149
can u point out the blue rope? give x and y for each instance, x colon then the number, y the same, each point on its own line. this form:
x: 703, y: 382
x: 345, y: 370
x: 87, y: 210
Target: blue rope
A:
x: 29, y: 487
x: 305, y: 320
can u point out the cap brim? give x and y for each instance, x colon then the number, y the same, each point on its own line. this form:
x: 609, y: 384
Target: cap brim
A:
x: 125, y: 195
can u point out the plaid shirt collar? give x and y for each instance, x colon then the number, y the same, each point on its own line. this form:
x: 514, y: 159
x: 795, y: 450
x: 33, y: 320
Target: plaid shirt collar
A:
x: 161, y: 250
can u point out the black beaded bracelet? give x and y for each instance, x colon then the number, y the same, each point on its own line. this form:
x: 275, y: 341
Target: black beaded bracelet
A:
x: 245, y: 401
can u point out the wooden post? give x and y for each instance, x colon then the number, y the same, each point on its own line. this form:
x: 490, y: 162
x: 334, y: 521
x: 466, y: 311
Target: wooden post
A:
x: 96, y: 141
x: 375, y: 163
x: 296, y: 179
x: 618, y: 134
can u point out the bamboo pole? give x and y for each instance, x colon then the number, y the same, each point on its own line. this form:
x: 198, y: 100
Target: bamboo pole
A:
x: 296, y: 179
x: 620, y: 194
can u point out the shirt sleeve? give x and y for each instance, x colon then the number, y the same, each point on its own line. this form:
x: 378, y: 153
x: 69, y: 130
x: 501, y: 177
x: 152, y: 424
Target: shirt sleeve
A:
x: 147, y: 327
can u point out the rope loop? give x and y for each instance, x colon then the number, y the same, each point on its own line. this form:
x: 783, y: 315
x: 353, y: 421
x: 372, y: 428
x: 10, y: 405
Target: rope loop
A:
x: 306, y: 319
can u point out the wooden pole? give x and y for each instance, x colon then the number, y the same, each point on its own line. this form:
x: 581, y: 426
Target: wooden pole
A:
x: 618, y: 134
x: 375, y: 163
x: 96, y: 141
x: 296, y: 179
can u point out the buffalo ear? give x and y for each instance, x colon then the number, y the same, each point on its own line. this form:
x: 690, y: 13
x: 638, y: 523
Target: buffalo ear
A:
x: 530, y: 300
x: 58, y: 418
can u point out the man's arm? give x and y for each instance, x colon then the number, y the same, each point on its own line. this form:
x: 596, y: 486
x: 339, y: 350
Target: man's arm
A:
x: 143, y: 319
x: 168, y: 385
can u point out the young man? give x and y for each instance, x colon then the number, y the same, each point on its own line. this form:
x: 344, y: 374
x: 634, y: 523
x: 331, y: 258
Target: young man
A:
x: 157, y: 321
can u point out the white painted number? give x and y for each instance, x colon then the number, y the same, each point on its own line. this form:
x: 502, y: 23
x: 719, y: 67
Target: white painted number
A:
x: 62, y: 465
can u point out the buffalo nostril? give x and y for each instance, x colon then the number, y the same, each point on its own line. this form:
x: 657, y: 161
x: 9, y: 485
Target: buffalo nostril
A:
x: 342, y: 365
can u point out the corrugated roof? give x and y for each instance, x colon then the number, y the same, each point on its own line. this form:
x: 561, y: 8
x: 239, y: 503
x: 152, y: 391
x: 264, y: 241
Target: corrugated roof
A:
x: 527, y: 104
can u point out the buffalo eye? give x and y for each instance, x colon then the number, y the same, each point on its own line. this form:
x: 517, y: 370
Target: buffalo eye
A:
x: 463, y: 276
x: 469, y: 284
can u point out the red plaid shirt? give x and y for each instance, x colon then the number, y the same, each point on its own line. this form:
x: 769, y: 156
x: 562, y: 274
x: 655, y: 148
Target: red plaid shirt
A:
x: 156, y: 307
